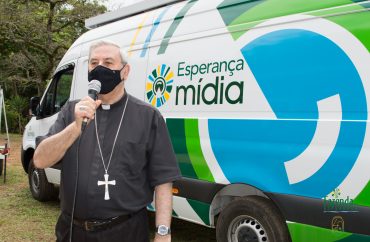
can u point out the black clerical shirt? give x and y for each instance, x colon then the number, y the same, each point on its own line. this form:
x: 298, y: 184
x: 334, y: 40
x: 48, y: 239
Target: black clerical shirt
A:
x: 143, y: 158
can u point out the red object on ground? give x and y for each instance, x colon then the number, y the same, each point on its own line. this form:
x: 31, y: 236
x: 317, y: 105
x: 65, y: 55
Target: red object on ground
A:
x: 4, y: 151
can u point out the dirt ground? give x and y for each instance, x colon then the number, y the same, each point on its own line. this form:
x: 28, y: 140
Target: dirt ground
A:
x: 24, y: 219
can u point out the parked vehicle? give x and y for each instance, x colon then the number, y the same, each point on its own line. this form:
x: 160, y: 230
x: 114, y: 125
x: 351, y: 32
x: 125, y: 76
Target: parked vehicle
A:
x: 266, y: 103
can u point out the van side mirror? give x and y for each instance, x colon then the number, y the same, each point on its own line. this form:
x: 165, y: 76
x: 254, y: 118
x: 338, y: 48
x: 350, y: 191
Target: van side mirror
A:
x: 34, y: 103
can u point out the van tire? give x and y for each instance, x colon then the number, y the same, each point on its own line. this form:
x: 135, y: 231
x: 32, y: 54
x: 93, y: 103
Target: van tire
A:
x: 40, y: 188
x: 251, y: 219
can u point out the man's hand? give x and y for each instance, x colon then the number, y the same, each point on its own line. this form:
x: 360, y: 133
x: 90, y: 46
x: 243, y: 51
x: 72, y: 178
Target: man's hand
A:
x: 160, y: 238
x: 85, y: 108
x: 52, y: 149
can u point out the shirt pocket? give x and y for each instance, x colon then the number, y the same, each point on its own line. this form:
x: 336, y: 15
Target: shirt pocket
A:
x: 132, y: 158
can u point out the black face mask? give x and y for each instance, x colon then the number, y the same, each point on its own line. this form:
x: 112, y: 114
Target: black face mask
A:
x: 108, y: 78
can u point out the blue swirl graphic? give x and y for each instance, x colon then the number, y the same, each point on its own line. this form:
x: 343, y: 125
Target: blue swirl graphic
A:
x: 295, y: 69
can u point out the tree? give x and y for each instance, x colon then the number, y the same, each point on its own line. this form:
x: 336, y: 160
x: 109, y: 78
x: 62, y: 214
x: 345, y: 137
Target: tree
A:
x: 34, y: 35
x: 38, y: 32
x: 15, y: 107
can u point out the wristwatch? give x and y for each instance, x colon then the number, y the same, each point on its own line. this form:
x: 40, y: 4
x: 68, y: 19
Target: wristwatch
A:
x: 163, y: 230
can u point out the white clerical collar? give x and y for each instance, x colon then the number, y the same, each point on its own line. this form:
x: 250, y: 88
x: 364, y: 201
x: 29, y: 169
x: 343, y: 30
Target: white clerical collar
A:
x: 105, y: 106
x: 117, y: 103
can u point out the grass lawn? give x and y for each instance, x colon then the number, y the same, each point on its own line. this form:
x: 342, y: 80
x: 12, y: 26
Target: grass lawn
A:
x: 24, y: 219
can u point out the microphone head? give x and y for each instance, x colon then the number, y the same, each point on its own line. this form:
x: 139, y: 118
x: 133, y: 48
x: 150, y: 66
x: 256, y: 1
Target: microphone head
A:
x: 94, y: 85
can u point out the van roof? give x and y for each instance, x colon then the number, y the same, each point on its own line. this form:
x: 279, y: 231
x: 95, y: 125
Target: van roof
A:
x: 126, y: 12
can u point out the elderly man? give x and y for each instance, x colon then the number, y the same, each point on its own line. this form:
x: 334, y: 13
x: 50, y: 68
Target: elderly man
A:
x: 122, y: 156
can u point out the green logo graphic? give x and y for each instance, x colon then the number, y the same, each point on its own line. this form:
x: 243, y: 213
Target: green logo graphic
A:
x: 335, y: 203
x: 159, y: 85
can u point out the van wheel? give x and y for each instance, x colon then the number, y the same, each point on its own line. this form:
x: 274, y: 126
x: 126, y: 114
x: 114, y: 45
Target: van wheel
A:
x: 251, y: 219
x: 40, y: 188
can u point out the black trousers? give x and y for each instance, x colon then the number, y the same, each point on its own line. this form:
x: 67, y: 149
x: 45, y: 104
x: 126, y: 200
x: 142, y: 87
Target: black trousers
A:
x: 135, y: 229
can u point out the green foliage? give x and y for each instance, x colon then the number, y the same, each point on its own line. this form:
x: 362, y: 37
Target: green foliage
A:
x: 16, y: 114
x: 34, y: 35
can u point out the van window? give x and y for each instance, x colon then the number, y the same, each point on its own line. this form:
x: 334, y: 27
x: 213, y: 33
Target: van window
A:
x: 58, y: 92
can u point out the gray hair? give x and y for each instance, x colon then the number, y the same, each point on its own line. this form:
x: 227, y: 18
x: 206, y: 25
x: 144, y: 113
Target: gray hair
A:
x: 108, y: 42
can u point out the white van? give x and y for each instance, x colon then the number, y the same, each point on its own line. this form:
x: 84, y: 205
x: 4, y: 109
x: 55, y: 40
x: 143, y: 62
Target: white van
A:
x: 266, y: 103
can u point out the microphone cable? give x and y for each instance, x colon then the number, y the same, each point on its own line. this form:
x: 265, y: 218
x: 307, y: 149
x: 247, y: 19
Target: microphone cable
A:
x: 75, y: 191
x: 94, y: 89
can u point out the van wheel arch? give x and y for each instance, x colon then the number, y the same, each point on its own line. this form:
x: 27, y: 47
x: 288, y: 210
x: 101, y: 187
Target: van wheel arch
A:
x: 26, y: 157
x: 251, y: 218
x: 40, y: 188
x: 243, y: 192
x: 228, y: 194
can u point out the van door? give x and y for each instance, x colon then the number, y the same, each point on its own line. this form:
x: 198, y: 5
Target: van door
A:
x: 57, y: 94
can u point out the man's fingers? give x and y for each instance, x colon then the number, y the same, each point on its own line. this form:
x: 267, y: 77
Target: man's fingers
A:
x: 85, y: 111
x: 88, y: 103
x: 86, y: 108
x: 82, y: 108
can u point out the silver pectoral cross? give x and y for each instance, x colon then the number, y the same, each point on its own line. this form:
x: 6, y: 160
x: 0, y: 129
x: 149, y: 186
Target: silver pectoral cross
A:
x: 106, y: 183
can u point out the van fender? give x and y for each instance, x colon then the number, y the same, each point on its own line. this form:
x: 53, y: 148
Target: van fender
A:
x: 228, y: 194
x: 26, y: 156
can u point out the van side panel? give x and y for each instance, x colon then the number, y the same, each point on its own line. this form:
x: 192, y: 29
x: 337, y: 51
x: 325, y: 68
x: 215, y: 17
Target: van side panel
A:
x: 265, y: 98
x: 273, y: 95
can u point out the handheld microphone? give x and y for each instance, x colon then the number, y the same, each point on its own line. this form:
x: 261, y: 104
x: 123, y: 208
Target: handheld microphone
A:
x: 93, y: 91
